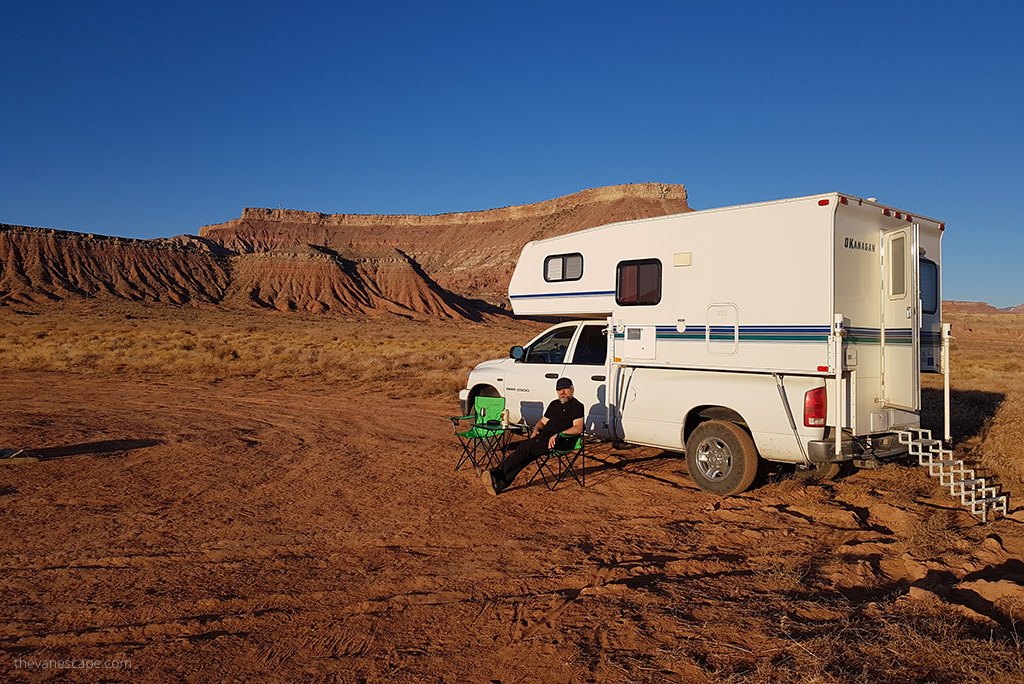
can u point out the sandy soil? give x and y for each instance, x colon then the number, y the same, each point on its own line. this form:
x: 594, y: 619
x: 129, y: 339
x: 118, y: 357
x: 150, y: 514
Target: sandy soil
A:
x: 290, y: 530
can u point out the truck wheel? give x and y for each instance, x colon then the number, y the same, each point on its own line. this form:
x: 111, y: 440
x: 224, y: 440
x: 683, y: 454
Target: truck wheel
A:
x: 721, y: 457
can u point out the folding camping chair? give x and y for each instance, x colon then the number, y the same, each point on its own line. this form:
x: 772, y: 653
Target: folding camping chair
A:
x: 561, y: 461
x: 481, y: 443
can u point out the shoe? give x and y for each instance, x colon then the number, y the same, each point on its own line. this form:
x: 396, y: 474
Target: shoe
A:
x: 490, y: 482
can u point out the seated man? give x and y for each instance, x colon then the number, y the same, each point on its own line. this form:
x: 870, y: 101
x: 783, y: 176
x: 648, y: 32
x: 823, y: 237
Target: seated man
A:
x: 564, y: 414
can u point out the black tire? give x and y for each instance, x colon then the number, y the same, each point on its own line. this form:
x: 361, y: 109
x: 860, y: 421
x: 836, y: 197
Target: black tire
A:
x: 721, y: 458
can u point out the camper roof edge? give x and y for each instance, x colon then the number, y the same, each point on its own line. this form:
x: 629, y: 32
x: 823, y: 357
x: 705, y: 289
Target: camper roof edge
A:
x: 732, y: 207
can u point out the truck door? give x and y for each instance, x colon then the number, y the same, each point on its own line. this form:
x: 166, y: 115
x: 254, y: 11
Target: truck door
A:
x: 901, y: 320
x: 588, y: 371
x: 530, y: 382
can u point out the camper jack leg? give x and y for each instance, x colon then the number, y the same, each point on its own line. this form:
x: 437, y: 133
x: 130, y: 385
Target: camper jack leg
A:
x: 838, y: 333
x: 946, y: 336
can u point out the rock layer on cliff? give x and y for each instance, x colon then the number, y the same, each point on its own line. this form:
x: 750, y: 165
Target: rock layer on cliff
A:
x: 39, y: 264
x: 469, y: 253
x: 448, y: 266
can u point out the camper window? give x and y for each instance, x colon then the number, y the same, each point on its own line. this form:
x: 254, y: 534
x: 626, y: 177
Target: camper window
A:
x: 638, y: 282
x: 591, y: 347
x: 550, y: 348
x: 563, y: 267
x: 929, y: 287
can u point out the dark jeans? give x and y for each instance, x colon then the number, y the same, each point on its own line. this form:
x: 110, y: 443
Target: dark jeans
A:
x: 526, y: 452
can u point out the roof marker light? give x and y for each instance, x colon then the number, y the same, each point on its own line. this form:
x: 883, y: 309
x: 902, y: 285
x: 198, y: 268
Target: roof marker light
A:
x: 899, y: 215
x: 886, y: 212
x: 942, y: 227
x: 844, y: 200
x: 909, y: 218
x: 822, y: 203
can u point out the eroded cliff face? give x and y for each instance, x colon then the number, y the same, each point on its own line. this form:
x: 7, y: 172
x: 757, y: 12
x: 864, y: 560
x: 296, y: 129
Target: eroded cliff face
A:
x: 39, y: 264
x: 448, y: 266
x: 471, y: 254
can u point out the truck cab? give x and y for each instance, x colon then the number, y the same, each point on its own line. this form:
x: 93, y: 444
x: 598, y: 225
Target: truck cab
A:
x: 526, y: 379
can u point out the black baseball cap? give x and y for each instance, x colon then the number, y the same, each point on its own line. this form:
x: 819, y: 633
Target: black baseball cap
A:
x: 563, y: 383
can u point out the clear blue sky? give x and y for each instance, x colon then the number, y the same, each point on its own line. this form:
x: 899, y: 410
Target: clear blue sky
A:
x: 148, y: 119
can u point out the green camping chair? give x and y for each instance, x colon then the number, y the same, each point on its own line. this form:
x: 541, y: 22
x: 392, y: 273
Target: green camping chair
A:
x: 481, y: 443
x: 561, y: 462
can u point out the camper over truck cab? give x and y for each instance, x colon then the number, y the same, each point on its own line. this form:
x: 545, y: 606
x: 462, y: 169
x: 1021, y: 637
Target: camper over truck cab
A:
x: 792, y: 331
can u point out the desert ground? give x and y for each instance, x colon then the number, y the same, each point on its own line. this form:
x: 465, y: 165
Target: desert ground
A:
x: 238, y: 496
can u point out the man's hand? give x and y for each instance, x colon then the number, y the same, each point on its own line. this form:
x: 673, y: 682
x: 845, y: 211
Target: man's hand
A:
x: 551, y: 442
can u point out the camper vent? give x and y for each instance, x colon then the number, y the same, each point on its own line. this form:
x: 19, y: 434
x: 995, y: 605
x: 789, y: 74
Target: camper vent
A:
x: 632, y: 333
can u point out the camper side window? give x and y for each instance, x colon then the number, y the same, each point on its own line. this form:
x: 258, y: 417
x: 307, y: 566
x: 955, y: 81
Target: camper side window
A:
x: 638, y: 282
x: 551, y: 347
x: 929, y: 286
x: 563, y: 267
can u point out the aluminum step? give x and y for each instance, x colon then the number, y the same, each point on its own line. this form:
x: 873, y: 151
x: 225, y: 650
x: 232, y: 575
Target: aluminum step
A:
x: 975, y: 493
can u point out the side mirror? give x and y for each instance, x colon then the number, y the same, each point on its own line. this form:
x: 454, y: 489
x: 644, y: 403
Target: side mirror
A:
x: 517, y: 353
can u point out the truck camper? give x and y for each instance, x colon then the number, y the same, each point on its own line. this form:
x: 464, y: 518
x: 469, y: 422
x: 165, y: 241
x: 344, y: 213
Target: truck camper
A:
x: 791, y: 331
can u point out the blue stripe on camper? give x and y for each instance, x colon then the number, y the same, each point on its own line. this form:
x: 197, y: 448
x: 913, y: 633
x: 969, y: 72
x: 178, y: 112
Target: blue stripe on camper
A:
x: 553, y: 295
x: 788, y: 333
x: 748, y: 333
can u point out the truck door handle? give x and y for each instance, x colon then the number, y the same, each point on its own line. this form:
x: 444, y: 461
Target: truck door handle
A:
x: 908, y: 312
x: 599, y: 378
x: 551, y: 375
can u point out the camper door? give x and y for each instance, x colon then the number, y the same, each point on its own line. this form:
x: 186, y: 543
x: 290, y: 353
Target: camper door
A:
x: 900, y: 334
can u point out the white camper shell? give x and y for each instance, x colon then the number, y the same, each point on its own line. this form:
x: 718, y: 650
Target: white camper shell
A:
x: 733, y: 333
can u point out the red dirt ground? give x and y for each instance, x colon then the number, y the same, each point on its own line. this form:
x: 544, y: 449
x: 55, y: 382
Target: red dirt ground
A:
x: 289, y: 530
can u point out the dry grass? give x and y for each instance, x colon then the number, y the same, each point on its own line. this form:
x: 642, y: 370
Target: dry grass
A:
x: 392, y: 354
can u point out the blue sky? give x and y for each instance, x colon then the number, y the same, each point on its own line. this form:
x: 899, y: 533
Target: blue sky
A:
x: 147, y: 119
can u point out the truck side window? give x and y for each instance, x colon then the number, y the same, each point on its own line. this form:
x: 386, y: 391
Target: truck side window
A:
x: 638, y: 282
x: 550, y: 348
x: 929, y: 286
x: 592, y: 347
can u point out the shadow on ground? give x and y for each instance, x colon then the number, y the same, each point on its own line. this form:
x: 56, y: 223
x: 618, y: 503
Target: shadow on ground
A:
x: 109, y: 447
x: 969, y: 411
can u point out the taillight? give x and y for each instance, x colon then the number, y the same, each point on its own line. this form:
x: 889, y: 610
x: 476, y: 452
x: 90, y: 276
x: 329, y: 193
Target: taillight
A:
x: 815, y: 406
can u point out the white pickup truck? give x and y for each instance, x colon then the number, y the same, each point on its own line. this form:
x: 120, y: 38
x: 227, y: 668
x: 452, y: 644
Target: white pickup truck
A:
x: 723, y: 422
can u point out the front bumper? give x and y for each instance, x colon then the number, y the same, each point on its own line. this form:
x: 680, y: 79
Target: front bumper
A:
x: 871, y: 447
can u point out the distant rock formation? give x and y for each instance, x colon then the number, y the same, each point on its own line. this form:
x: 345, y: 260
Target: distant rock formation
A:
x: 470, y: 253
x: 39, y: 264
x: 448, y: 266
x: 979, y: 307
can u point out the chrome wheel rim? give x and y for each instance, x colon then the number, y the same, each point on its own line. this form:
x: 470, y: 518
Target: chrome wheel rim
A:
x: 714, y: 459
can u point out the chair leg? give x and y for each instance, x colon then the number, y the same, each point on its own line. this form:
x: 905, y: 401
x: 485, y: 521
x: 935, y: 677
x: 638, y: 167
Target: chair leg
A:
x: 542, y: 464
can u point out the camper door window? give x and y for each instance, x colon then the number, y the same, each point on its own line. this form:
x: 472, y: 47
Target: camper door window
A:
x: 898, y: 268
x: 638, y: 282
x: 550, y: 348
